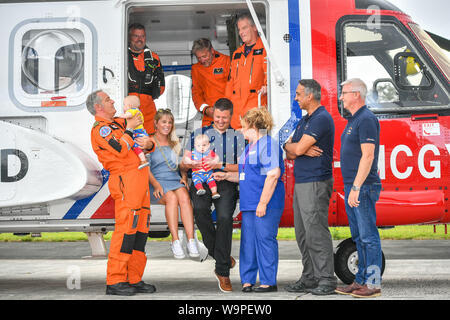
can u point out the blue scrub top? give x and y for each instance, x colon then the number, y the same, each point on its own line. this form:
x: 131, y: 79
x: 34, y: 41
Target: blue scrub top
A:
x: 254, y: 163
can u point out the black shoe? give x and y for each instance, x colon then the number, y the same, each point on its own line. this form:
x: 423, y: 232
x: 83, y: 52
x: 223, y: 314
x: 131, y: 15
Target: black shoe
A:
x: 299, y: 287
x: 266, y: 289
x: 121, y: 289
x: 143, y: 287
x: 247, y: 289
x: 322, y: 290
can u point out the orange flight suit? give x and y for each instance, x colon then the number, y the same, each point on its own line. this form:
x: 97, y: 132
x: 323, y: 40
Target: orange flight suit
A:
x: 247, y: 76
x: 148, y: 107
x: 129, y: 188
x: 208, y: 83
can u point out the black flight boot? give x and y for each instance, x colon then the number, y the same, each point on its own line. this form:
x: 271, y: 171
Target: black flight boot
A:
x: 121, y: 289
x: 143, y: 287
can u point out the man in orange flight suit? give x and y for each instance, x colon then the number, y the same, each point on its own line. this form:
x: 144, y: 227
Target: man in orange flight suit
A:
x: 112, y: 141
x: 209, y: 77
x: 248, y: 74
x: 145, y: 74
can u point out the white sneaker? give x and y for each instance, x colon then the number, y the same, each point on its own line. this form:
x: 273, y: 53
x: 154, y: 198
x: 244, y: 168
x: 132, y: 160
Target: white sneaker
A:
x: 177, y: 250
x: 201, y: 192
x: 192, y: 248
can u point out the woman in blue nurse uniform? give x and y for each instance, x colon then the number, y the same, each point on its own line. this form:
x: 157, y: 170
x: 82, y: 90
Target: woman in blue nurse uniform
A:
x: 261, y: 194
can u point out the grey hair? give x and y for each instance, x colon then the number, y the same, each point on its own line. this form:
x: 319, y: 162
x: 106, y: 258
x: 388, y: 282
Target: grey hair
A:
x: 312, y: 86
x: 93, y: 99
x: 135, y: 26
x: 247, y: 16
x: 200, y: 44
x: 357, y: 85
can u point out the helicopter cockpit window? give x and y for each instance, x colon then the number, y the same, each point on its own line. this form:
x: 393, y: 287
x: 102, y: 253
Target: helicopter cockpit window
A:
x: 398, y: 78
x: 435, y: 51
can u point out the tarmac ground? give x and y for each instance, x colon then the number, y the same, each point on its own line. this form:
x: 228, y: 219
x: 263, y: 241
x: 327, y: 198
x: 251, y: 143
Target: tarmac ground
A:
x: 415, y: 270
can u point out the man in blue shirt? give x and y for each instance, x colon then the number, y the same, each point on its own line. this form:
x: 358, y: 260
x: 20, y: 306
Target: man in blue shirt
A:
x: 312, y: 149
x: 360, y: 143
x: 228, y: 144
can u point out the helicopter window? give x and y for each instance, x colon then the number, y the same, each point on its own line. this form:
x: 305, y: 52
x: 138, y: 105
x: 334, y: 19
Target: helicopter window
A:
x: 435, y: 51
x: 52, y: 61
x: 51, y: 64
x: 30, y: 70
x: 69, y: 67
x: 178, y: 97
x: 398, y: 78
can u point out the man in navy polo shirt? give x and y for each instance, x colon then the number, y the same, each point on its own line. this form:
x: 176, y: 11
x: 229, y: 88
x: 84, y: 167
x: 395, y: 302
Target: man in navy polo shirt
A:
x: 312, y: 148
x: 360, y: 143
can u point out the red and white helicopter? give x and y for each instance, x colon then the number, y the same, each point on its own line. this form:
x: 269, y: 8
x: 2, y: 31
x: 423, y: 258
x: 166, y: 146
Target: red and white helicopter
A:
x: 56, y: 53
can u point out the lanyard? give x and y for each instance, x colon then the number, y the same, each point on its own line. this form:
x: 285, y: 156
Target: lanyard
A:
x: 174, y: 169
x: 247, y: 154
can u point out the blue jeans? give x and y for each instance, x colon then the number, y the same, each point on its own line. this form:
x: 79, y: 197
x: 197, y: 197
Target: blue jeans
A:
x: 362, y: 222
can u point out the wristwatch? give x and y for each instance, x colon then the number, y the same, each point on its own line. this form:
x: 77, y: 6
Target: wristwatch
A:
x: 355, y: 188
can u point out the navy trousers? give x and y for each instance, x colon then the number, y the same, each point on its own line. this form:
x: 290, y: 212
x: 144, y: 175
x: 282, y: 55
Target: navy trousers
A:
x: 259, y: 247
x: 216, y: 236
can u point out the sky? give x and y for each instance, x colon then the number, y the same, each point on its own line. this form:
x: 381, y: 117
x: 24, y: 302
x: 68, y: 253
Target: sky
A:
x: 431, y: 15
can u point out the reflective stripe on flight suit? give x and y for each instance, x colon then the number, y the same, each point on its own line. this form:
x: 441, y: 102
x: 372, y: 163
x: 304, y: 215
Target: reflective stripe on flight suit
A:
x: 129, y: 188
x: 208, y: 83
x: 247, y: 76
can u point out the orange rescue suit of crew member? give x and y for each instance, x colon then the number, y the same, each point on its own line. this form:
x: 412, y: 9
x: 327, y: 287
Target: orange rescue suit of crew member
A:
x: 247, y: 75
x: 147, y: 107
x: 129, y: 188
x: 208, y: 83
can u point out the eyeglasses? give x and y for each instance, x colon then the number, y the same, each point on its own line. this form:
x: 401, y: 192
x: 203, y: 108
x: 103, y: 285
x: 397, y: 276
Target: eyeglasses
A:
x: 344, y: 92
x: 167, y: 110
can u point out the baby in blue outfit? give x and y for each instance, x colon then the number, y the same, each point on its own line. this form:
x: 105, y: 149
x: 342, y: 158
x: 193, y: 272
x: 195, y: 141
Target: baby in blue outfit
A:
x: 203, y: 153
